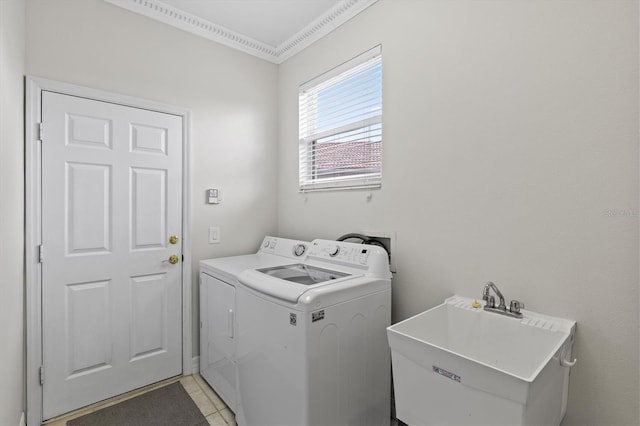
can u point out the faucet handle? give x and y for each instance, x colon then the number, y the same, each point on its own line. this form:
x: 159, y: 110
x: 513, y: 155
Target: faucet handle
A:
x: 491, y: 302
x: 485, y: 293
x: 515, y: 306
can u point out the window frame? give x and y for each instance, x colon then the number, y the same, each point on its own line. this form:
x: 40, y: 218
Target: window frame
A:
x: 308, y: 139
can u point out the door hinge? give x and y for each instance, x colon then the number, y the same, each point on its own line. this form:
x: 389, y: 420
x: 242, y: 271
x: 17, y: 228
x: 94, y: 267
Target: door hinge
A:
x: 200, y: 323
x: 41, y: 375
x: 40, y: 253
x: 40, y: 131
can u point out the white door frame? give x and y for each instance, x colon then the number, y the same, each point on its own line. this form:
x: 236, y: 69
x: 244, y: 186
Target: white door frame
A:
x: 33, y: 270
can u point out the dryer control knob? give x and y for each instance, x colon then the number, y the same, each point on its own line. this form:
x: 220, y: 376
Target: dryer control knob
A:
x: 334, y: 250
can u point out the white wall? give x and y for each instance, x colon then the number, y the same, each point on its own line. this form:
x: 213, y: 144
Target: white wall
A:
x: 510, y: 135
x: 12, y: 58
x: 231, y: 95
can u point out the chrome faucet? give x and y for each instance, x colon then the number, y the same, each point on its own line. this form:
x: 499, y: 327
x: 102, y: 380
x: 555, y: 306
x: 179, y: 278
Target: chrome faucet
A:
x: 490, y: 305
x: 491, y: 301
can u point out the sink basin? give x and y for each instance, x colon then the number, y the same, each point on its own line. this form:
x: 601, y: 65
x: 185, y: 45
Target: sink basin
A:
x: 456, y: 364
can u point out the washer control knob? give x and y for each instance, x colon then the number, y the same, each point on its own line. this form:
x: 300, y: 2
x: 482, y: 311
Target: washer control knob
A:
x: 334, y: 250
x: 265, y: 244
x: 299, y: 249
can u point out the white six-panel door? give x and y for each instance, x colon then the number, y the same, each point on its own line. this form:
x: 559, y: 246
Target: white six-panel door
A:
x: 111, y: 201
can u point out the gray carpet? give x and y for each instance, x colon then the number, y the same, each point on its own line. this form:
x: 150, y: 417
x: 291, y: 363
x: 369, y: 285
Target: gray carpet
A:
x: 169, y: 405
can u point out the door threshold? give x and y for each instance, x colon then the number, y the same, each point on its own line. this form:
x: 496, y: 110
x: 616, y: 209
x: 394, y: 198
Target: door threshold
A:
x: 64, y: 418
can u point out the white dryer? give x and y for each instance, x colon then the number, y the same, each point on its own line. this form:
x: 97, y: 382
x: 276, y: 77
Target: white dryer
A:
x: 312, y: 346
x: 218, y: 280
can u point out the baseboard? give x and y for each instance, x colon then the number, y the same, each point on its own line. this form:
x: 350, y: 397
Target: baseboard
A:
x: 195, y: 365
x: 23, y: 422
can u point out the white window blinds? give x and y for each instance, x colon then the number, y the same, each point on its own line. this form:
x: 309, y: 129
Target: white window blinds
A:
x: 341, y: 126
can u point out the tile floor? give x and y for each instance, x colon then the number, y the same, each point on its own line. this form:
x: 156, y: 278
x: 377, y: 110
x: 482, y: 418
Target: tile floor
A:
x: 210, y: 404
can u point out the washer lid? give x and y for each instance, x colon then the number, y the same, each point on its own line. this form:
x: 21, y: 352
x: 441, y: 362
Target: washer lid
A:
x: 302, y: 274
x: 289, y: 282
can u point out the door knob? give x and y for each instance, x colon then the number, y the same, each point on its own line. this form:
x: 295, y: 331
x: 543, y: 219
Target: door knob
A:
x: 173, y: 259
x: 173, y: 239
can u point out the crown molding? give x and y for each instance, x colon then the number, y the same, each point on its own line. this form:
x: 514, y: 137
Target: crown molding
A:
x: 321, y: 26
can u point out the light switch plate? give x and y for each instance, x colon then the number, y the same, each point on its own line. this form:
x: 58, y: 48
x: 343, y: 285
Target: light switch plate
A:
x: 214, y: 235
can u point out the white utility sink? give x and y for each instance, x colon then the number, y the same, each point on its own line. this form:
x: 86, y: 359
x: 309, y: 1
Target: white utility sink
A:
x: 456, y: 364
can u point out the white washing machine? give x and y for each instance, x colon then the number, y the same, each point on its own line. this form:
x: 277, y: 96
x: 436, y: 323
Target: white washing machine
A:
x: 218, y: 281
x: 312, y: 346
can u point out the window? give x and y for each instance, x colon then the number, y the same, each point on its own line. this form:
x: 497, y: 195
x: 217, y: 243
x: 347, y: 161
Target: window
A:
x: 341, y: 126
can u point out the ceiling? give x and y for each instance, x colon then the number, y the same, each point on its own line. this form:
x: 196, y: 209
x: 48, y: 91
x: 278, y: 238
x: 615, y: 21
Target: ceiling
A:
x: 273, y: 30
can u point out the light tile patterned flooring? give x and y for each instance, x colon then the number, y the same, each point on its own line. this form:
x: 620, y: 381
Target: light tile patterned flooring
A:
x: 210, y: 404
